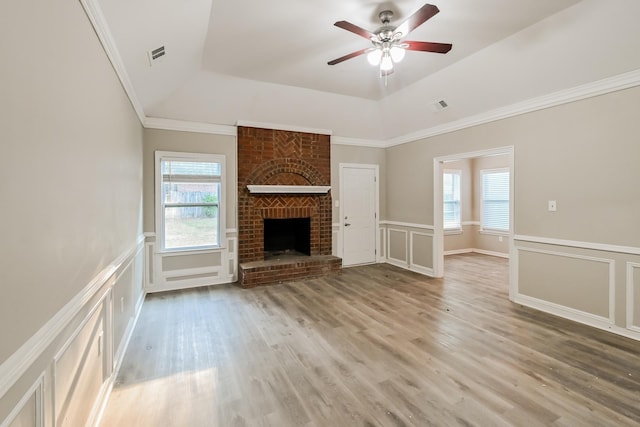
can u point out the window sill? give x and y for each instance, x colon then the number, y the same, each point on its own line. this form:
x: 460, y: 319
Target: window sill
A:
x: 453, y: 231
x: 495, y: 233
x: 190, y: 251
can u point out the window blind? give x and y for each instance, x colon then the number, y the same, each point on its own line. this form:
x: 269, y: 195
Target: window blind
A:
x: 495, y: 200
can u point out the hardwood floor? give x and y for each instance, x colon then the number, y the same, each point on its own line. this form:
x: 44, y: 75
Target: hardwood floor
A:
x: 372, y: 346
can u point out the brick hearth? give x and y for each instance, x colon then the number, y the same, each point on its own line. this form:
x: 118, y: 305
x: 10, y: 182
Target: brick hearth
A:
x: 277, y: 157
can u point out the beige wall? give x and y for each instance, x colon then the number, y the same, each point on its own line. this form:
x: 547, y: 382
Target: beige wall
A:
x: 582, y: 154
x: 190, y: 142
x: 72, y: 165
x: 71, y: 188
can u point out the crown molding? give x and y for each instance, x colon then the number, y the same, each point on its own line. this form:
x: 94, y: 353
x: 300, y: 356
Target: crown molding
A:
x: 277, y: 126
x: 94, y: 13
x: 357, y: 142
x: 599, y: 87
x: 185, y: 126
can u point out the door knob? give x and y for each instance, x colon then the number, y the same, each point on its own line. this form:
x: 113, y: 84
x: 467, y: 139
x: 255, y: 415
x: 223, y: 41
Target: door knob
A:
x: 346, y: 224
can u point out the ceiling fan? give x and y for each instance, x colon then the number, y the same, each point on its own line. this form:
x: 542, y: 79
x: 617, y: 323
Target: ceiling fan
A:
x: 388, y: 46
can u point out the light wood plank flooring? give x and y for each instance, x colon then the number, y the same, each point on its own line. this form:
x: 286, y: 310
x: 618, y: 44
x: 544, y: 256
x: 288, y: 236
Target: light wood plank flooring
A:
x: 372, y: 346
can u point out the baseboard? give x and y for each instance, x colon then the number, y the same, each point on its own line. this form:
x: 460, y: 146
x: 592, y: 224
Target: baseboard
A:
x: 477, y: 251
x: 569, y: 313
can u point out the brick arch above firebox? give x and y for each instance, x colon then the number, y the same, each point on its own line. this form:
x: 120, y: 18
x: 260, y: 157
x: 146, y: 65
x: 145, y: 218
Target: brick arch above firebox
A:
x: 286, y: 171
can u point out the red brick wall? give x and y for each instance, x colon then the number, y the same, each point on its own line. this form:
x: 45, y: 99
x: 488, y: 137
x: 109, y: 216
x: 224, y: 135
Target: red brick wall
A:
x: 277, y: 157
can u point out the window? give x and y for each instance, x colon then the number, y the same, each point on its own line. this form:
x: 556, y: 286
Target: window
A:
x: 189, y: 200
x: 451, y: 199
x: 495, y: 200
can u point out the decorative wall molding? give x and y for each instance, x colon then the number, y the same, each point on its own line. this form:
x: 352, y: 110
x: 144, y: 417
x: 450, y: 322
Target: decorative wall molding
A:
x: 403, y: 263
x: 600, y: 87
x: 35, y: 391
x: 612, y: 280
x: 96, y: 16
x: 406, y: 224
x: 186, y: 126
x: 578, y: 244
x: 18, y: 363
x: 632, y: 323
x: 277, y: 126
x: 463, y: 223
x: 413, y: 266
x: 357, y: 142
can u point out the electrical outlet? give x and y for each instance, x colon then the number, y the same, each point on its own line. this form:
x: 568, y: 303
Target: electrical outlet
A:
x: 336, y: 203
x: 499, y: 238
x: 552, y: 206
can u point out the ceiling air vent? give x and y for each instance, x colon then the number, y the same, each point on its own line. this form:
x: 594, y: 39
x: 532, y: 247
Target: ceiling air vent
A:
x: 439, y: 105
x: 156, y: 55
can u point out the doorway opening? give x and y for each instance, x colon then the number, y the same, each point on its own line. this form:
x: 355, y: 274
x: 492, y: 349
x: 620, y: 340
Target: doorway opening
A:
x: 473, y: 206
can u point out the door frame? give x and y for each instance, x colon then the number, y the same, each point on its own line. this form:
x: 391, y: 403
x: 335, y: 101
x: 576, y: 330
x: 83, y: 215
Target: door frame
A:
x: 376, y: 172
x: 438, y: 232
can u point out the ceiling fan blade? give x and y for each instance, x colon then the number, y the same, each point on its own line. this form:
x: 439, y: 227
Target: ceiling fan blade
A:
x: 349, y: 56
x: 428, y: 46
x: 420, y: 17
x: 354, y: 29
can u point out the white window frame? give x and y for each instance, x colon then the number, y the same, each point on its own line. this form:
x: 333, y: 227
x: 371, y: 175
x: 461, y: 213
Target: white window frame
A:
x: 159, y: 205
x: 487, y: 230
x: 453, y: 230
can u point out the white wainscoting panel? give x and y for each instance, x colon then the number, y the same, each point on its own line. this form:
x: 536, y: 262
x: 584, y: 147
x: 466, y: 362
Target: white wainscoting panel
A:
x: 415, y: 238
x: 77, y: 347
x: 633, y: 296
x: 397, y: 247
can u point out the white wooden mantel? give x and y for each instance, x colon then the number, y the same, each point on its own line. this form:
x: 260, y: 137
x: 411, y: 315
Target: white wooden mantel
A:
x: 288, y: 189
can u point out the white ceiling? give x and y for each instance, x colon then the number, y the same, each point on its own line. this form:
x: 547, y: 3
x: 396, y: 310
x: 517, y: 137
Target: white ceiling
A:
x: 266, y: 61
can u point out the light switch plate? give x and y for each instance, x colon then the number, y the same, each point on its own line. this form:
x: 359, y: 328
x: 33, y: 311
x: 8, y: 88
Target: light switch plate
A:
x: 552, y: 206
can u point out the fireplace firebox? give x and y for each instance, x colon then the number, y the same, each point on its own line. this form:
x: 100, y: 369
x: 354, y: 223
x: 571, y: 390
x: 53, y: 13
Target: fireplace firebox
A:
x: 287, y: 237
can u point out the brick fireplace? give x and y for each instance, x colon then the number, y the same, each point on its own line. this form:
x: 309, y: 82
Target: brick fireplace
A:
x: 295, y: 162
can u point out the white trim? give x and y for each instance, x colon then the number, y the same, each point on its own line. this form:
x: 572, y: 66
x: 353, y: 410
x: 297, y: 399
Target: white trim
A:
x: 404, y: 263
x: 36, y: 390
x: 477, y: 251
x: 18, y: 363
x: 612, y: 277
x: 471, y: 223
x: 275, y: 126
x: 186, y: 272
x: 490, y: 253
x: 357, y: 142
x: 186, y: 126
x: 159, y: 210
x: 599, y: 87
x: 458, y: 251
x: 564, y: 311
x: 96, y: 16
x: 148, y: 234
x: 578, y: 244
x: 418, y: 268
x: 630, y: 297
x: 406, y: 224
x: 288, y: 189
x: 231, y: 230
x: 187, y: 252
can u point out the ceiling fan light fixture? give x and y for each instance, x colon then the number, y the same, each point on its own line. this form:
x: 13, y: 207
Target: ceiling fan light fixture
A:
x: 386, y: 63
x: 397, y: 53
x: 374, y: 57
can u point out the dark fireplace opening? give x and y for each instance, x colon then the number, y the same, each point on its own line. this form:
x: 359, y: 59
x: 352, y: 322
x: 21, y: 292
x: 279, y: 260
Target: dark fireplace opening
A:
x: 287, y: 237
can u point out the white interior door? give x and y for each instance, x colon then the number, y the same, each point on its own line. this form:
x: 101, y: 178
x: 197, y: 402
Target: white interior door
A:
x: 359, y: 213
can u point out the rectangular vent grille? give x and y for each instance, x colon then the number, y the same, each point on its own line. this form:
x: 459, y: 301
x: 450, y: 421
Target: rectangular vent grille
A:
x: 439, y: 105
x: 156, y: 55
